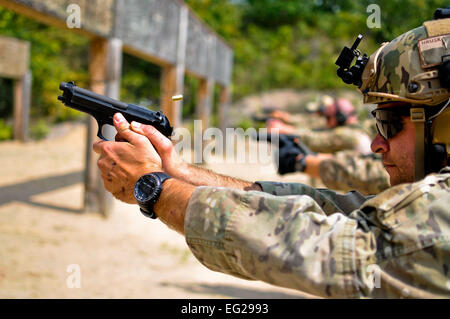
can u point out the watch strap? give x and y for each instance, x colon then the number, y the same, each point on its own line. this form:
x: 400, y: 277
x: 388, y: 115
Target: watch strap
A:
x: 162, y: 176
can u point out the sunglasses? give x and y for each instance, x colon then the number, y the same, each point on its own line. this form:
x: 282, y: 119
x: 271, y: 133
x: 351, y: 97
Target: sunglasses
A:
x: 389, y: 121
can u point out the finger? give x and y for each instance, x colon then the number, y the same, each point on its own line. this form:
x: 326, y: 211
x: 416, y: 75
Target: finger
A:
x: 123, y: 129
x: 161, y: 143
x: 105, y: 165
x: 98, y: 146
x: 119, y: 138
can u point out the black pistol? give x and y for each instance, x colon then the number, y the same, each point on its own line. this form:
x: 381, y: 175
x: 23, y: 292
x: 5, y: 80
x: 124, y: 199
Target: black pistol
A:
x: 289, y: 147
x: 103, y: 108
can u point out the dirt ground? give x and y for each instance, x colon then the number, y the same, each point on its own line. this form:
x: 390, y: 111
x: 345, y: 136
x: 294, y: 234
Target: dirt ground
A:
x: 44, y: 234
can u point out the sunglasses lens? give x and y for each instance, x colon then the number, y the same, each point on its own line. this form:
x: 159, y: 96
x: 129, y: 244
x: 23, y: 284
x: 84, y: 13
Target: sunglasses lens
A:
x: 388, y: 122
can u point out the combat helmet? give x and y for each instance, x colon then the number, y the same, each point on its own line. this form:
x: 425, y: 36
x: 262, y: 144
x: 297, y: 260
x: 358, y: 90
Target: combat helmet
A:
x: 413, y: 68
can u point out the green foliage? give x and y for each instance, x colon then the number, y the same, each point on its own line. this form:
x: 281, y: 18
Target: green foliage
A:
x: 291, y: 43
x: 6, y: 130
x: 399, y: 16
x: 140, y: 82
x: 247, y: 123
x: 39, y: 130
x: 6, y: 98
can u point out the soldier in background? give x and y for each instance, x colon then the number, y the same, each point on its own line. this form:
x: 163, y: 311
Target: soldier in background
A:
x: 342, y: 170
x: 347, y: 170
x: 343, y: 130
x: 316, y: 240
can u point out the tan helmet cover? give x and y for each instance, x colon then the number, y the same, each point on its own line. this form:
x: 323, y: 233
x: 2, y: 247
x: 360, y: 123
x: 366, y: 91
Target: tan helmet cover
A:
x: 405, y: 69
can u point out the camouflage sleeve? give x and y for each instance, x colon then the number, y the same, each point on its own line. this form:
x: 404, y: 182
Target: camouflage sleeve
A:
x: 411, y: 227
x: 348, y: 170
x: 329, y: 141
x: 396, y: 245
x: 329, y: 200
x: 283, y: 240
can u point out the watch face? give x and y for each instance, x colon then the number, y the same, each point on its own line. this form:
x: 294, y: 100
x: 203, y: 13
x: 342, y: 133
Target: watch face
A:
x: 145, y: 188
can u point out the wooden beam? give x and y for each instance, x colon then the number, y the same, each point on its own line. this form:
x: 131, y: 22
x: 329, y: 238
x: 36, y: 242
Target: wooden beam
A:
x: 105, y: 67
x: 149, y: 28
x: 205, y: 101
x: 168, y: 89
x: 14, y: 57
x: 224, y: 106
x: 41, y: 17
x: 203, y: 112
x: 172, y: 77
x: 22, y: 98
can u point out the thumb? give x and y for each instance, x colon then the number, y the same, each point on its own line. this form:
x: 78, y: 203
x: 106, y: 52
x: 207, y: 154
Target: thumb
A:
x: 123, y: 129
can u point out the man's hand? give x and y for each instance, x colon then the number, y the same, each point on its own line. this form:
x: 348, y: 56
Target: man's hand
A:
x: 276, y: 125
x: 121, y: 163
x: 281, y: 115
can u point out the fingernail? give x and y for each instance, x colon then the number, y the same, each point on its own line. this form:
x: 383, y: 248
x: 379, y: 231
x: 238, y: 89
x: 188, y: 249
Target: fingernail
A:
x: 136, y: 124
x: 119, y: 118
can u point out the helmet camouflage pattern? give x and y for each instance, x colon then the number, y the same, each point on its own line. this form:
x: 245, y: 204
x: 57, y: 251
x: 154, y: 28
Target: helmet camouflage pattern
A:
x: 406, y: 69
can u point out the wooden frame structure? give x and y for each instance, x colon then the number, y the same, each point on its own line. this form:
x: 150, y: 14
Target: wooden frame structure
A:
x: 164, y: 32
x: 14, y: 64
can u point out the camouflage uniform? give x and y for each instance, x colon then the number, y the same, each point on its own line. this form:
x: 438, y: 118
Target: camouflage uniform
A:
x: 349, y: 170
x: 348, y: 137
x: 394, y: 245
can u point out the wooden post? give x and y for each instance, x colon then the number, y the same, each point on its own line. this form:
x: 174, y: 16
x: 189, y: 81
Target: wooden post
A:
x: 105, y: 67
x: 22, y: 98
x: 205, y: 101
x: 205, y: 95
x: 14, y: 64
x: 203, y: 112
x: 224, y: 106
x: 172, y: 79
x: 168, y: 89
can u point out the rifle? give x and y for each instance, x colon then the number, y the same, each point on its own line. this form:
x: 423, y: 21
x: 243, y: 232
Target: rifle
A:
x: 103, y: 108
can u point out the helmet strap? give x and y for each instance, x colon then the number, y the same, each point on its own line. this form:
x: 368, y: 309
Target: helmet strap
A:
x: 418, y: 119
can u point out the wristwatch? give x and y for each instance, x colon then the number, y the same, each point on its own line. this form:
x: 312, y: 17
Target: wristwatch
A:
x: 147, y: 191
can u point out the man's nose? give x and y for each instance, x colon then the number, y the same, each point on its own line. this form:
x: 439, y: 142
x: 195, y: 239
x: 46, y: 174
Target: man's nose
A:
x: 379, y: 145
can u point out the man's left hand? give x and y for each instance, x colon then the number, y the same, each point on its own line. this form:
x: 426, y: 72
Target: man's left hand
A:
x: 121, y: 163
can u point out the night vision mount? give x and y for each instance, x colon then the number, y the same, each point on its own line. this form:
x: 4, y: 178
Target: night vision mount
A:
x: 352, y: 74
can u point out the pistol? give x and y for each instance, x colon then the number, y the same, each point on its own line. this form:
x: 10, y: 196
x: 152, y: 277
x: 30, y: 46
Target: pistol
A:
x: 285, y: 140
x: 103, y: 108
